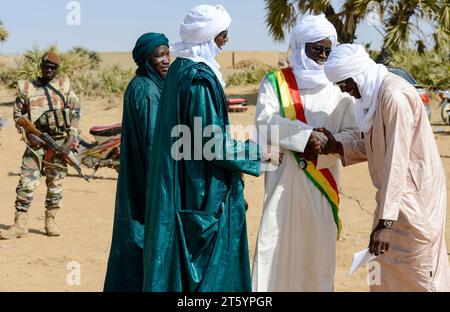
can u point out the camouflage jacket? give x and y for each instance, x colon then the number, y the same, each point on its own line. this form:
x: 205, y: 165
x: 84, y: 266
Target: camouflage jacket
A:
x: 33, y: 101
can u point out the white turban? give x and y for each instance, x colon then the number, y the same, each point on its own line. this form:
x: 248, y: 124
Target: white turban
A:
x: 200, y: 27
x: 203, y: 23
x: 352, y: 61
x: 311, y: 28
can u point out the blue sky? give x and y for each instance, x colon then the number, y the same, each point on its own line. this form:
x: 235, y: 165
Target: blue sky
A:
x: 115, y: 25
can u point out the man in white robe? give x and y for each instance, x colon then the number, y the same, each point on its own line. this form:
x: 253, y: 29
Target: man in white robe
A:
x: 296, y: 245
x: 406, y: 169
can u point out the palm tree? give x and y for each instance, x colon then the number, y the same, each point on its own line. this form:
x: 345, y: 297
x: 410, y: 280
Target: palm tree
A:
x: 403, y: 16
x: 3, y: 33
x: 403, y: 20
x: 282, y: 15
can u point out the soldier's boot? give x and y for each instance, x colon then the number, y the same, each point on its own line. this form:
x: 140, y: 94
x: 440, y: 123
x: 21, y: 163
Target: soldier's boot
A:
x: 50, y: 226
x: 19, y: 229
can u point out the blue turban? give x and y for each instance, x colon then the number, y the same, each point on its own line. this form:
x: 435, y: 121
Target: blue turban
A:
x: 143, y: 49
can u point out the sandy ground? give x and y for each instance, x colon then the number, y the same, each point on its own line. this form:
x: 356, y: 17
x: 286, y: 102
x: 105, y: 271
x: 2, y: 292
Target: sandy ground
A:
x: 39, y: 263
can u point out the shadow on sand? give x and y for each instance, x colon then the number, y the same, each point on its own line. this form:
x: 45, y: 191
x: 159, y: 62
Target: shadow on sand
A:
x: 7, y: 104
x: 30, y: 231
x: 443, y: 133
x: 70, y: 175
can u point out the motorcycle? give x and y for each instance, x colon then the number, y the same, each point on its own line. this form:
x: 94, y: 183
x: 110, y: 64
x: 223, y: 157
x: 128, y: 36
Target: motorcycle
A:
x: 445, y: 106
x: 103, y: 152
x: 237, y: 105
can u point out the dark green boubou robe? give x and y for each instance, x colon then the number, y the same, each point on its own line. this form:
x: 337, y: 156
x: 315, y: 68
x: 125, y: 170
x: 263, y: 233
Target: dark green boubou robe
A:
x: 141, y: 100
x: 140, y: 107
x: 196, y: 232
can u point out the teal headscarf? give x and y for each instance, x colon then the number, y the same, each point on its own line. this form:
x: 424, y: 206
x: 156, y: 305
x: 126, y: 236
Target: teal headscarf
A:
x: 141, y: 52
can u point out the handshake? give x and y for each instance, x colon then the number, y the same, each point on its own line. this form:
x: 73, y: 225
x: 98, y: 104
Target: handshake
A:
x: 321, y: 142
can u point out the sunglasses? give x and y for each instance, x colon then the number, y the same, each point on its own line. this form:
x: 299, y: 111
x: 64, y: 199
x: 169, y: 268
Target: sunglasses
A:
x: 321, y: 49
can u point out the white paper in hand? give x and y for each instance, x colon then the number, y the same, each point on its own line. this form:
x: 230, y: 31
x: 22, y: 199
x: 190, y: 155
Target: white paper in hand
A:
x: 361, y: 259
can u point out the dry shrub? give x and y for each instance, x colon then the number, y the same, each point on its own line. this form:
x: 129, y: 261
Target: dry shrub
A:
x: 430, y: 69
x: 248, y: 76
x: 114, y: 80
x: 78, y: 64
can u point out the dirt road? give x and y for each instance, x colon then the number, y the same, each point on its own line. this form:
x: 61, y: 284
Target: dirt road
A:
x: 39, y: 263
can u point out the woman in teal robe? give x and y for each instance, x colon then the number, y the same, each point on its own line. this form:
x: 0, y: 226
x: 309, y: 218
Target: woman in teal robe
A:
x: 140, y: 107
x: 195, y: 229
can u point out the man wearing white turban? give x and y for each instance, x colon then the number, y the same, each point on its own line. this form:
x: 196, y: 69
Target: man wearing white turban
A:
x: 404, y: 163
x: 296, y: 245
x: 199, y: 31
x: 195, y: 236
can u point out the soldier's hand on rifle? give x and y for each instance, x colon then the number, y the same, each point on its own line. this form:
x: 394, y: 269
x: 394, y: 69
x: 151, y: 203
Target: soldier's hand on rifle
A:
x: 67, y: 147
x: 34, y: 140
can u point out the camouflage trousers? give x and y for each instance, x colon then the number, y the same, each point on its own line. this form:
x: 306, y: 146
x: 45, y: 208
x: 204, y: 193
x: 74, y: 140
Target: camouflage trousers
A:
x: 30, y: 176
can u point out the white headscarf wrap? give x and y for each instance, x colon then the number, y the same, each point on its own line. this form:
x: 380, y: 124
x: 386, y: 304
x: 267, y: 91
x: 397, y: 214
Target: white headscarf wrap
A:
x: 352, y: 61
x: 311, y: 28
x: 198, y: 31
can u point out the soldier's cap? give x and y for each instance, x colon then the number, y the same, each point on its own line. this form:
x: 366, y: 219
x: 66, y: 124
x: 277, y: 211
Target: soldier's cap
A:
x: 51, y: 57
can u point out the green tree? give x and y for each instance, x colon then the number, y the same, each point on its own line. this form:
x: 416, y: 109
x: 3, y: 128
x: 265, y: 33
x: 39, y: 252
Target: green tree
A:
x: 403, y: 20
x: 399, y: 19
x: 3, y: 33
x: 430, y: 69
x: 76, y: 64
x: 282, y: 15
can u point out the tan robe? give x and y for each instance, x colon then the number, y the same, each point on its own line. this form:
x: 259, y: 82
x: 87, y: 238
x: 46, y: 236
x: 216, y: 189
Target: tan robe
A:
x: 407, y: 171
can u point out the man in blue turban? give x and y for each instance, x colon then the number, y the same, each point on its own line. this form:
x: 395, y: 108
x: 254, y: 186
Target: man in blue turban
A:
x: 140, y: 107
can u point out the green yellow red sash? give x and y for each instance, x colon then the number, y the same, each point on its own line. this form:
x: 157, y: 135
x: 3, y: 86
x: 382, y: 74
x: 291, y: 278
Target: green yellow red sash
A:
x: 284, y: 84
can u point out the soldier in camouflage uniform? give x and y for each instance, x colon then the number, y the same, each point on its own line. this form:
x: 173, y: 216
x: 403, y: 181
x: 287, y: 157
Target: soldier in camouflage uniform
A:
x: 53, y: 108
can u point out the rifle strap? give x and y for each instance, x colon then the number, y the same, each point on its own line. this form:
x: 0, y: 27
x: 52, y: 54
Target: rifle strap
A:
x: 59, y: 94
x: 40, y: 164
x: 47, y: 157
x: 49, y: 99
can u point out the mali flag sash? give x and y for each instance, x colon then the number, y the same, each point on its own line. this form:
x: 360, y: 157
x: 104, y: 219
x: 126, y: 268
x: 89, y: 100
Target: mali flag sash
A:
x: 285, y: 86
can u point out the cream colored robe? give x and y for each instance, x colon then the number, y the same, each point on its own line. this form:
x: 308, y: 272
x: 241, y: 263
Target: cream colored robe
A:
x: 407, y: 171
x: 296, y: 245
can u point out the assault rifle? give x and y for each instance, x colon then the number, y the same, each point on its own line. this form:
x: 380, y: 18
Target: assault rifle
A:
x: 71, y: 159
